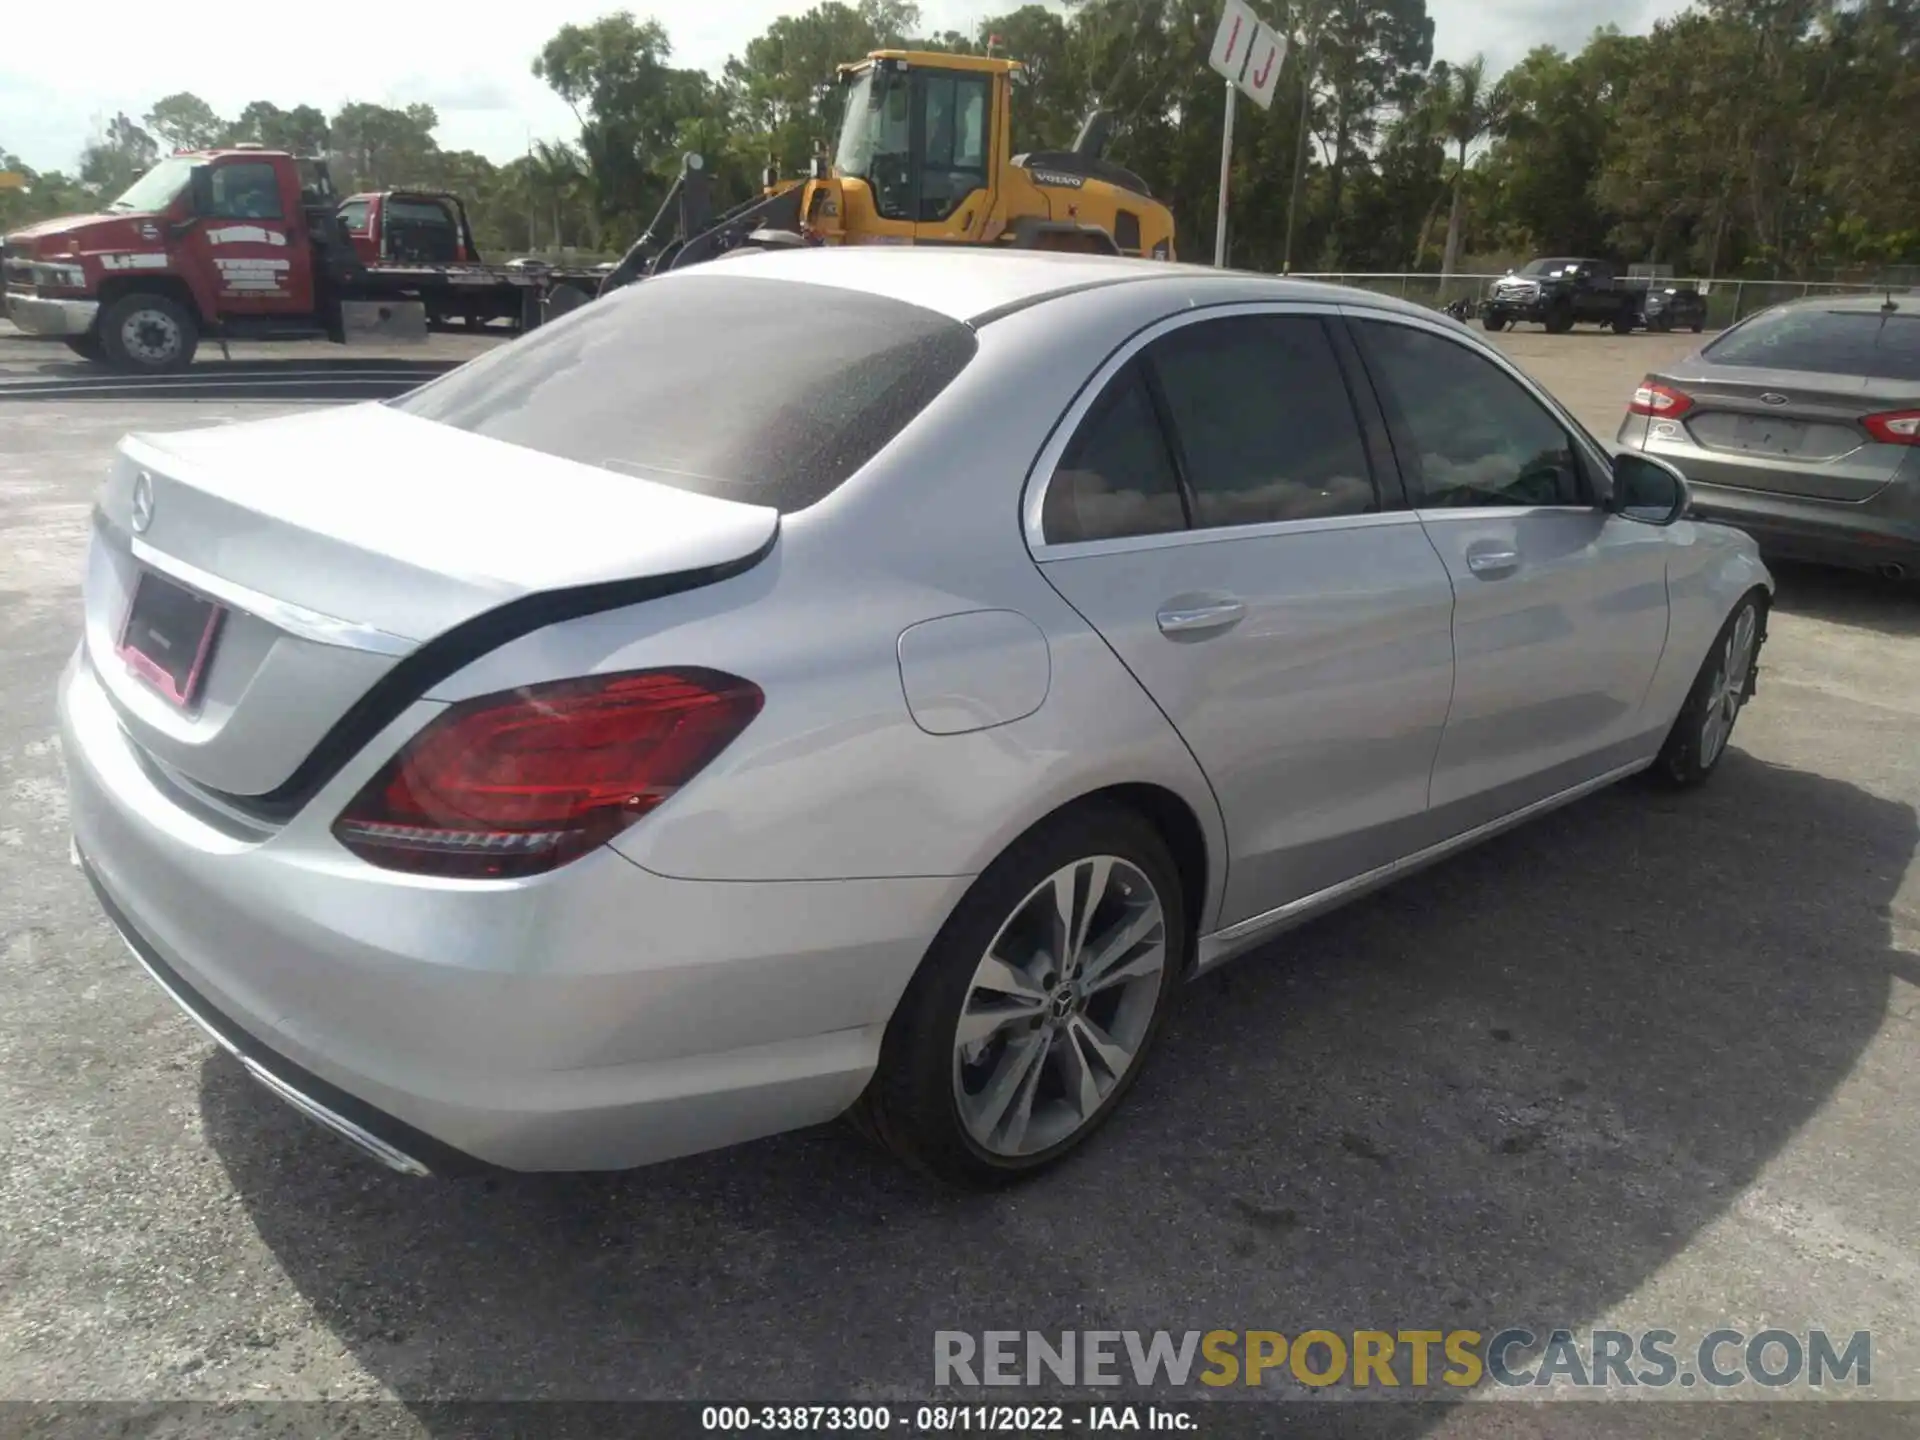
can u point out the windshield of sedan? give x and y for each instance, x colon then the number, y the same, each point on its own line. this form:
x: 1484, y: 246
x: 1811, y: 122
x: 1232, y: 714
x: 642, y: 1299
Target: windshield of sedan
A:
x: 1826, y: 342
x: 761, y: 391
x: 155, y: 190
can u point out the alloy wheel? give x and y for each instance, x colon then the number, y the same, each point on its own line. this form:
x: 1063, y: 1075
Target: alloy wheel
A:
x: 1060, y: 1006
x: 1728, y: 691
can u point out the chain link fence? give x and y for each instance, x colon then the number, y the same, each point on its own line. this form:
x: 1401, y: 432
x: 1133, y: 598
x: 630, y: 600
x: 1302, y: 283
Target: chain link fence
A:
x: 1728, y: 301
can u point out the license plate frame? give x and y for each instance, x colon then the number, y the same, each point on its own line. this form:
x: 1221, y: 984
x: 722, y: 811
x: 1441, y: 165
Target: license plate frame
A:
x: 185, y: 625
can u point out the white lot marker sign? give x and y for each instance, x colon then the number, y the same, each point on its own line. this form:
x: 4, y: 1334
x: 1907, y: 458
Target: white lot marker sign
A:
x: 1249, y: 53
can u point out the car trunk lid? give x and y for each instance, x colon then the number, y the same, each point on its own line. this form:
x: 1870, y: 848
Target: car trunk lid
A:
x: 335, y: 545
x: 1787, y: 431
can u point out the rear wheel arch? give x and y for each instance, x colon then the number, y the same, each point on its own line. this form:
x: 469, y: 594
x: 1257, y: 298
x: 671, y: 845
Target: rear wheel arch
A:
x: 1180, y: 827
x: 1170, y: 815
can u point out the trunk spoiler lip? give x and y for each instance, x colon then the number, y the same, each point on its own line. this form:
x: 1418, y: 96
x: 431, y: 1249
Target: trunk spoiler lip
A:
x: 415, y: 675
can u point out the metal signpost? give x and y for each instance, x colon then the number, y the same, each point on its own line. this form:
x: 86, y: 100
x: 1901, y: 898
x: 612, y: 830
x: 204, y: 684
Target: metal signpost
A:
x: 1248, y: 53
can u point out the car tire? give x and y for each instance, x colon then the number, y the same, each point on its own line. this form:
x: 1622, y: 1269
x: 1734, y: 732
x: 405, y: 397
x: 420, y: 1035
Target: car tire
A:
x: 1559, y: 319
x: 87, y: 346
x: 1697, y: 326
x: 1704, y: 728
x: 1494, y: 322
x: 994, y: 1066
x: 148, y: 334
x: 1623, y: 324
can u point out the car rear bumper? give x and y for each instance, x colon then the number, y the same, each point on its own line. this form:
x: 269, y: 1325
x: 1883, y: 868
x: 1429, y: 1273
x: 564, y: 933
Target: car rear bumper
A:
x: 601, y: 1017
x: 38, y: 315
x: 1806, y: 530
x: 1873, y: 533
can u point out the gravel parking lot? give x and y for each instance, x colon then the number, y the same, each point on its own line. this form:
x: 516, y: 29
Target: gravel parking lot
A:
x: 1650, y: 1061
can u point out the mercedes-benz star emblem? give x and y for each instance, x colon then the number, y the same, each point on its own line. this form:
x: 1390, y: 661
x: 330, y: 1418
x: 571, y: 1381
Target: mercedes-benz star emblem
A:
x: 1770, y: 398
x: 142, y: 502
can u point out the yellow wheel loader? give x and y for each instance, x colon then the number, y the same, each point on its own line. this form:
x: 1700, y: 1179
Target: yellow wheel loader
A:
x: 924, y: 157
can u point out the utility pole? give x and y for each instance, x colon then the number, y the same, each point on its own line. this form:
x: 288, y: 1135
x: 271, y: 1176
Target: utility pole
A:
x: 1300, y: 147
x: 533, y: 239
x: 1226, y: 167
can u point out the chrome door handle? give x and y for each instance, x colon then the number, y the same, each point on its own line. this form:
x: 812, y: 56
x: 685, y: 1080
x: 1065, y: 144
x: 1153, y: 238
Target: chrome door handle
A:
x: 1491, y: 562
x: 1210, y: 616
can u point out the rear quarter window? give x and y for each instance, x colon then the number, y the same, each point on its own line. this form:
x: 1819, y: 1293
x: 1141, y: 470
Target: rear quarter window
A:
x: 762, y: 391
x: 1825, y: 342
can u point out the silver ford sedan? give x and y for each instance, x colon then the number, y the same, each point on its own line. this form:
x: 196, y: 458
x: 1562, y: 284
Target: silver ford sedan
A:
x: 1801, y: 426
x: 853, y: 681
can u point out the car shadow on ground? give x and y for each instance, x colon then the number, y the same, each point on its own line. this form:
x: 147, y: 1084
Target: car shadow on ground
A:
x: 1508, y: 1090
x: 1847, y: 597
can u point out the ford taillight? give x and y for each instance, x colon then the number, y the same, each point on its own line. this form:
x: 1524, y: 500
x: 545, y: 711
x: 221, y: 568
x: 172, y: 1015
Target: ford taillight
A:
x: 527, y: 780
x: 1663, y: 401
x: 1894, y: 427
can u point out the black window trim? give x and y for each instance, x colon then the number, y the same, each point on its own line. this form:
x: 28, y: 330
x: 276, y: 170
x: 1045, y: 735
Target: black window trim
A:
x: 1393, y: 508
x: 1596, y: 463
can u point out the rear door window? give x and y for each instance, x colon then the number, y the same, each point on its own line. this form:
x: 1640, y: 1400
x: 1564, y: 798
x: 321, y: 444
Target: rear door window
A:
x: 1262, y: 420
x: 762, y: 391
x: 1825, y: 342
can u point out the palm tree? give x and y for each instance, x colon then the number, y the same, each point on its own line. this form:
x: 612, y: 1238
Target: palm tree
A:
x: 1468, y: 110
x: 555, y: 170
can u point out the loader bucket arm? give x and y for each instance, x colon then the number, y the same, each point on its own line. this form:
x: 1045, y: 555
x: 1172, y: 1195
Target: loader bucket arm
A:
x: 772, y: 212
x: 634, y: 263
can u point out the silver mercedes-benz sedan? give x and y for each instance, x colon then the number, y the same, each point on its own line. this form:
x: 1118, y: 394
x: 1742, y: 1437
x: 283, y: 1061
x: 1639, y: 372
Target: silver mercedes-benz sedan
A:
x: 854, y: 680
x: 1800, y: 425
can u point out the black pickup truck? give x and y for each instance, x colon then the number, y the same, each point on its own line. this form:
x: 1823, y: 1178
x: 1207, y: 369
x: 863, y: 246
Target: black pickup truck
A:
x: 1560, y: 293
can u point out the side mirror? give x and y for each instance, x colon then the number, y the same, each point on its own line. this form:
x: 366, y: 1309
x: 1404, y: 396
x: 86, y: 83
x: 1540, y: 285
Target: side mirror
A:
x: 200, y: 190
x: 1648, y: 489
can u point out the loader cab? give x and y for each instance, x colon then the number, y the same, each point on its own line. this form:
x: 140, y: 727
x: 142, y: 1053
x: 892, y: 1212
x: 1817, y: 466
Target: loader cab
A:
x: 923, y: 138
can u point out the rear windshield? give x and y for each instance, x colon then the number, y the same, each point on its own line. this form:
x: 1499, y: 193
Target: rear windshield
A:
x: 747, y: 389
x: 1826, y: 342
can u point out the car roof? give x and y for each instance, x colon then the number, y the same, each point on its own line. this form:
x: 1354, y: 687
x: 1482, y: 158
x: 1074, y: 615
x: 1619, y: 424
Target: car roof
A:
x: 978, y: 284
x: 1905, y: 302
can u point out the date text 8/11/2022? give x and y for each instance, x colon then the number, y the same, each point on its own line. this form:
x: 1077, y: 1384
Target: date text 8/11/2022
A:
x: 945, y: 1419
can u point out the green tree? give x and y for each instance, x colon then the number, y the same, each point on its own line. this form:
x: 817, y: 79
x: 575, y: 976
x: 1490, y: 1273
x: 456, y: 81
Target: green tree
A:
x: 183, y: 121
x: 122, y: 154
x: 302, y: 130
x: 380, y: 147
x: 1371, y: 53
x: 630, y: 102
x: 1468, y: 108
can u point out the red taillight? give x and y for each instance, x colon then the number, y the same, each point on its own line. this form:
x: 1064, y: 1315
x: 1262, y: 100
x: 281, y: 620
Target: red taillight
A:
x: 1894, y: 427
x: 1664, y: 401
x: 527, y: 780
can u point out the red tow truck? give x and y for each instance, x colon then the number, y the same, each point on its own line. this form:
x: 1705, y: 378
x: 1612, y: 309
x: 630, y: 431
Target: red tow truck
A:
x: 247, y: 243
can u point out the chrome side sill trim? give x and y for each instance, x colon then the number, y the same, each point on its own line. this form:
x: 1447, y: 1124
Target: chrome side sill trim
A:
x: 380, y: 1150
x: 1224, y: 944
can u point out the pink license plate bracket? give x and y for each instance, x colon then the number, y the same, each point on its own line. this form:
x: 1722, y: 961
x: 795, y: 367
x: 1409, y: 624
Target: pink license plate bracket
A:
x: 169, y: 635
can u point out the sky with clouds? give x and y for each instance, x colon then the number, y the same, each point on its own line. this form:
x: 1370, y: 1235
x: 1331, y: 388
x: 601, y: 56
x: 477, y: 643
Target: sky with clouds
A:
x: 473, y: 66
